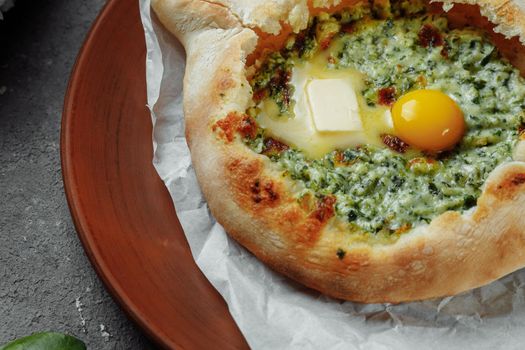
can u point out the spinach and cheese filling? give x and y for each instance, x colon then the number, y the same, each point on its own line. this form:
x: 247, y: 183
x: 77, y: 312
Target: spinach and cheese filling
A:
x: 382, y: 184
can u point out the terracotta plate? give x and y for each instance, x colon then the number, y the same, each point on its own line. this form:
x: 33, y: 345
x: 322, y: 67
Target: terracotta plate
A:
x: 121, y: 209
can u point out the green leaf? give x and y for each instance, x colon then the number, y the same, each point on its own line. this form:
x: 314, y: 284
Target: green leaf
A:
x: 46, y: 341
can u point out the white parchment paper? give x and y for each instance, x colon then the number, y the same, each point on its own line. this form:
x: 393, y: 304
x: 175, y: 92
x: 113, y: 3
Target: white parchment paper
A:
x: 276, y: 313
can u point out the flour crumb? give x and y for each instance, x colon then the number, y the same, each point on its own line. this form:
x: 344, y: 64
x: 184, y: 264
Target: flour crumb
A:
x: 79, y: 305
x: 448, y: 6
x: 3, y: 89
x: 104, y: 333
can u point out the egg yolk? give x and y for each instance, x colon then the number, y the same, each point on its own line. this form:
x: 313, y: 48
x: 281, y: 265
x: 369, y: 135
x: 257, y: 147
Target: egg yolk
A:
x: 428, y: 120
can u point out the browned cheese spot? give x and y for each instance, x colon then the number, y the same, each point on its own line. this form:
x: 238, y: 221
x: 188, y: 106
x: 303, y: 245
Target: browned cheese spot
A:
x: 507, y: 188
x: 325, y: 209
x: 518, y: 179
x: 325, y: 43
x: 259, y: 95
x: 273, y: 147
x: 521, y: 131
x: 394, y: 143
x: 263, y: 192
x: 445, y: 49
x: 245, y: 125
x: 347, y: 28
x: 422, y: 81
x: 227, y: 125
x: 279, y: 82
x: 309, y: 232
x: 429, y: 36
x: 404, y: 228
x: 386, y: 96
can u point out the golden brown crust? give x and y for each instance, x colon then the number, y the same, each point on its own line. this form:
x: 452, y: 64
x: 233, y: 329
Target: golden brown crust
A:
x: 253, y: 202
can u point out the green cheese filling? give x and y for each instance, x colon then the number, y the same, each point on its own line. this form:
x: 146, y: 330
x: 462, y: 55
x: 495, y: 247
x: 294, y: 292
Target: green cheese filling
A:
x: 378, y: 189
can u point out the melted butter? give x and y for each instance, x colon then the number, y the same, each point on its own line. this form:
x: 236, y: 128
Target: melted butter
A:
x: 299, y: 131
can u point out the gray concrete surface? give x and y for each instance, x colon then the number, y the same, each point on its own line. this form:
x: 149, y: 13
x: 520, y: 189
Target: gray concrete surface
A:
x: 46, y: 281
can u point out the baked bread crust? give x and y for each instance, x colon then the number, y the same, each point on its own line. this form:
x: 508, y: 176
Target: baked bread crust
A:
x: 247, y: 195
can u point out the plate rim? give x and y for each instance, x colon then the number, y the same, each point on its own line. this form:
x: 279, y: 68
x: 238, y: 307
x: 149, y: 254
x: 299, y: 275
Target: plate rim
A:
x: 82, y: 229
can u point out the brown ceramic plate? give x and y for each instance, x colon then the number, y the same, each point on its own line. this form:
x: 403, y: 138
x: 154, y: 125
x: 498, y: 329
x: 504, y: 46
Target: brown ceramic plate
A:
x: 121, y: 209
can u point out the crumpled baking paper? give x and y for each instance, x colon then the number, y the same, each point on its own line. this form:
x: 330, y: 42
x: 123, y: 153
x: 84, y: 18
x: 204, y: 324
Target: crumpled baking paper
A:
x: 276, y: 313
